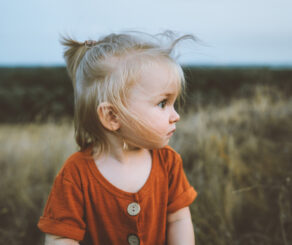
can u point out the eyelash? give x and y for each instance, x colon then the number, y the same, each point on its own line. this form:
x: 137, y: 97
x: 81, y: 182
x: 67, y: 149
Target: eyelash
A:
x: 162, y: 103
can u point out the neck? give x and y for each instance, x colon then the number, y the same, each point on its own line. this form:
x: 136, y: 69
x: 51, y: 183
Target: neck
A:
x: 119, y: 151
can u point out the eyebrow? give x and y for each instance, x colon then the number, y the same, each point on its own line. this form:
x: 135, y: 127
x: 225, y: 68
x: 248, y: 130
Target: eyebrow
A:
x: 168, y: 94
x: 163, y: 95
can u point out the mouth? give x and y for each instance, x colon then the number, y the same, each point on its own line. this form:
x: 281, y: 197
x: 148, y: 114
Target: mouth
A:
x: 171, y: 132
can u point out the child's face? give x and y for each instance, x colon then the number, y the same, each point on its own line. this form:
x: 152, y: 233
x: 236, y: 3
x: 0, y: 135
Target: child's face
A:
x: 152, y: 100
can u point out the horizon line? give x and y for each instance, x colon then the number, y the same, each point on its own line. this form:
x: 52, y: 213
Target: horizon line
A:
x: 190, y: 64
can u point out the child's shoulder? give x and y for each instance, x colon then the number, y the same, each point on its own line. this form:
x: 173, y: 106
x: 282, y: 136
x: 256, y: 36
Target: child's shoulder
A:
x: 169, y: 156
x: 75, y: 164
x: 168, y: 151
x: 77, y: 156
x: 168, y: 148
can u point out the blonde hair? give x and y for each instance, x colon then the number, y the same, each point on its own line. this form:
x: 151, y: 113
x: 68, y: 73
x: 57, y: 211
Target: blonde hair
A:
x: 104, y: 70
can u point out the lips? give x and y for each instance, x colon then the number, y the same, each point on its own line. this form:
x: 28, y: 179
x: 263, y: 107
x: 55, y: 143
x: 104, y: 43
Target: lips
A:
x: 171, y: 132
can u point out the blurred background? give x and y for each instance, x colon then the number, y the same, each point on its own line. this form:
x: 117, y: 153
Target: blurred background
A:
x: 235, y: 133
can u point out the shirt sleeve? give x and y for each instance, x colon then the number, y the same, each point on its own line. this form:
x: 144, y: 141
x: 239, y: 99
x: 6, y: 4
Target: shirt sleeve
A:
x: 180, y: 193
x: 64, y: 210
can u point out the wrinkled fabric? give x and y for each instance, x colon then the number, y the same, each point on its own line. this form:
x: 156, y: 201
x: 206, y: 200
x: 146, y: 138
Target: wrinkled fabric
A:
x: 83, y: 205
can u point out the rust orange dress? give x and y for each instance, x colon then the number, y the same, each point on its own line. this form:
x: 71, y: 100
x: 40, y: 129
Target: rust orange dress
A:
x: 83, y: 205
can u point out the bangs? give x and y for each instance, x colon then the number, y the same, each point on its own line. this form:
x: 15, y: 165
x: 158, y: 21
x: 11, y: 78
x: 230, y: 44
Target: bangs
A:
x: 142, y: 63
x: 176, y: 76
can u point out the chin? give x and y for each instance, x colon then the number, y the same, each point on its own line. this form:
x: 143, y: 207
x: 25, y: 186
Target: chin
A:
x: 146, y: 144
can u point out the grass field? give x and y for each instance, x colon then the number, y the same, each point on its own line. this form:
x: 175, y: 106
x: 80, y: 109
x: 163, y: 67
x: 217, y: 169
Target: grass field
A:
x: 238, y: 156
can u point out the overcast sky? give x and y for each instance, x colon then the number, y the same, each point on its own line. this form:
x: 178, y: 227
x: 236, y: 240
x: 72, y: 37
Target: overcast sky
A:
x: 232, y: 32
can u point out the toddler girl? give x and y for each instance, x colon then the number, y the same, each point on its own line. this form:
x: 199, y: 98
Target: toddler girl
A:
x: 125, y: 185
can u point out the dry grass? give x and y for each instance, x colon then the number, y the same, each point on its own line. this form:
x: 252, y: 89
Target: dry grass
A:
x: 238, y: 157
x: 30, y: 157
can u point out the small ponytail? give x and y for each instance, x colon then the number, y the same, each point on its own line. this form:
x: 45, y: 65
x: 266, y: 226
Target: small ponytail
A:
x: 74, y: 52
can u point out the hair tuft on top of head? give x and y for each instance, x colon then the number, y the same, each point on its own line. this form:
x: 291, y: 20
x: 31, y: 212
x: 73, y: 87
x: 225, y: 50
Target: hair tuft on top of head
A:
x: 74, y: 52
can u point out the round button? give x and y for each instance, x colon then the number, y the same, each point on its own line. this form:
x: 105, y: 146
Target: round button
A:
x: 133, y: 209
x: 133, y: 239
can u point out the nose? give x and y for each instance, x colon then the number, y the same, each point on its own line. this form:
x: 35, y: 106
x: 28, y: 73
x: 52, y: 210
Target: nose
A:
x: 174, y: 117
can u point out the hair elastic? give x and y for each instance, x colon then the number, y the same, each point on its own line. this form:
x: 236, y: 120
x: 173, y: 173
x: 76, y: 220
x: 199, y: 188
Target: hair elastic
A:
x: 89, y: 43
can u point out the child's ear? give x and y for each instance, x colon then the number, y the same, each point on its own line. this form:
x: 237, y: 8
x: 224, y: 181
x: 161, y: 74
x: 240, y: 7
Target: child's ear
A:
x: 108, y: 116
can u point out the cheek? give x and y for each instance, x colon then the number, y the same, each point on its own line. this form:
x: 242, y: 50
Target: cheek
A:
x: 159, y: 121
x: 153, y: 118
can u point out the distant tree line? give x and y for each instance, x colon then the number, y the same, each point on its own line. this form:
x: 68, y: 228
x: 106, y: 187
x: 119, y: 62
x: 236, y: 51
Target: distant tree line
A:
x: 29, y: 94
x: 42, y: 93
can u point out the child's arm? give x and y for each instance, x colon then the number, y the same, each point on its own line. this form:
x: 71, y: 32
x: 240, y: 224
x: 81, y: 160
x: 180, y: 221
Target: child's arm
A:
x: 57, y: 240
x: 180, y: 228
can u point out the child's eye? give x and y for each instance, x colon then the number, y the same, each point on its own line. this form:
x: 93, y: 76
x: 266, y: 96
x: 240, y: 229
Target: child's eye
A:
x: 162, y: 103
